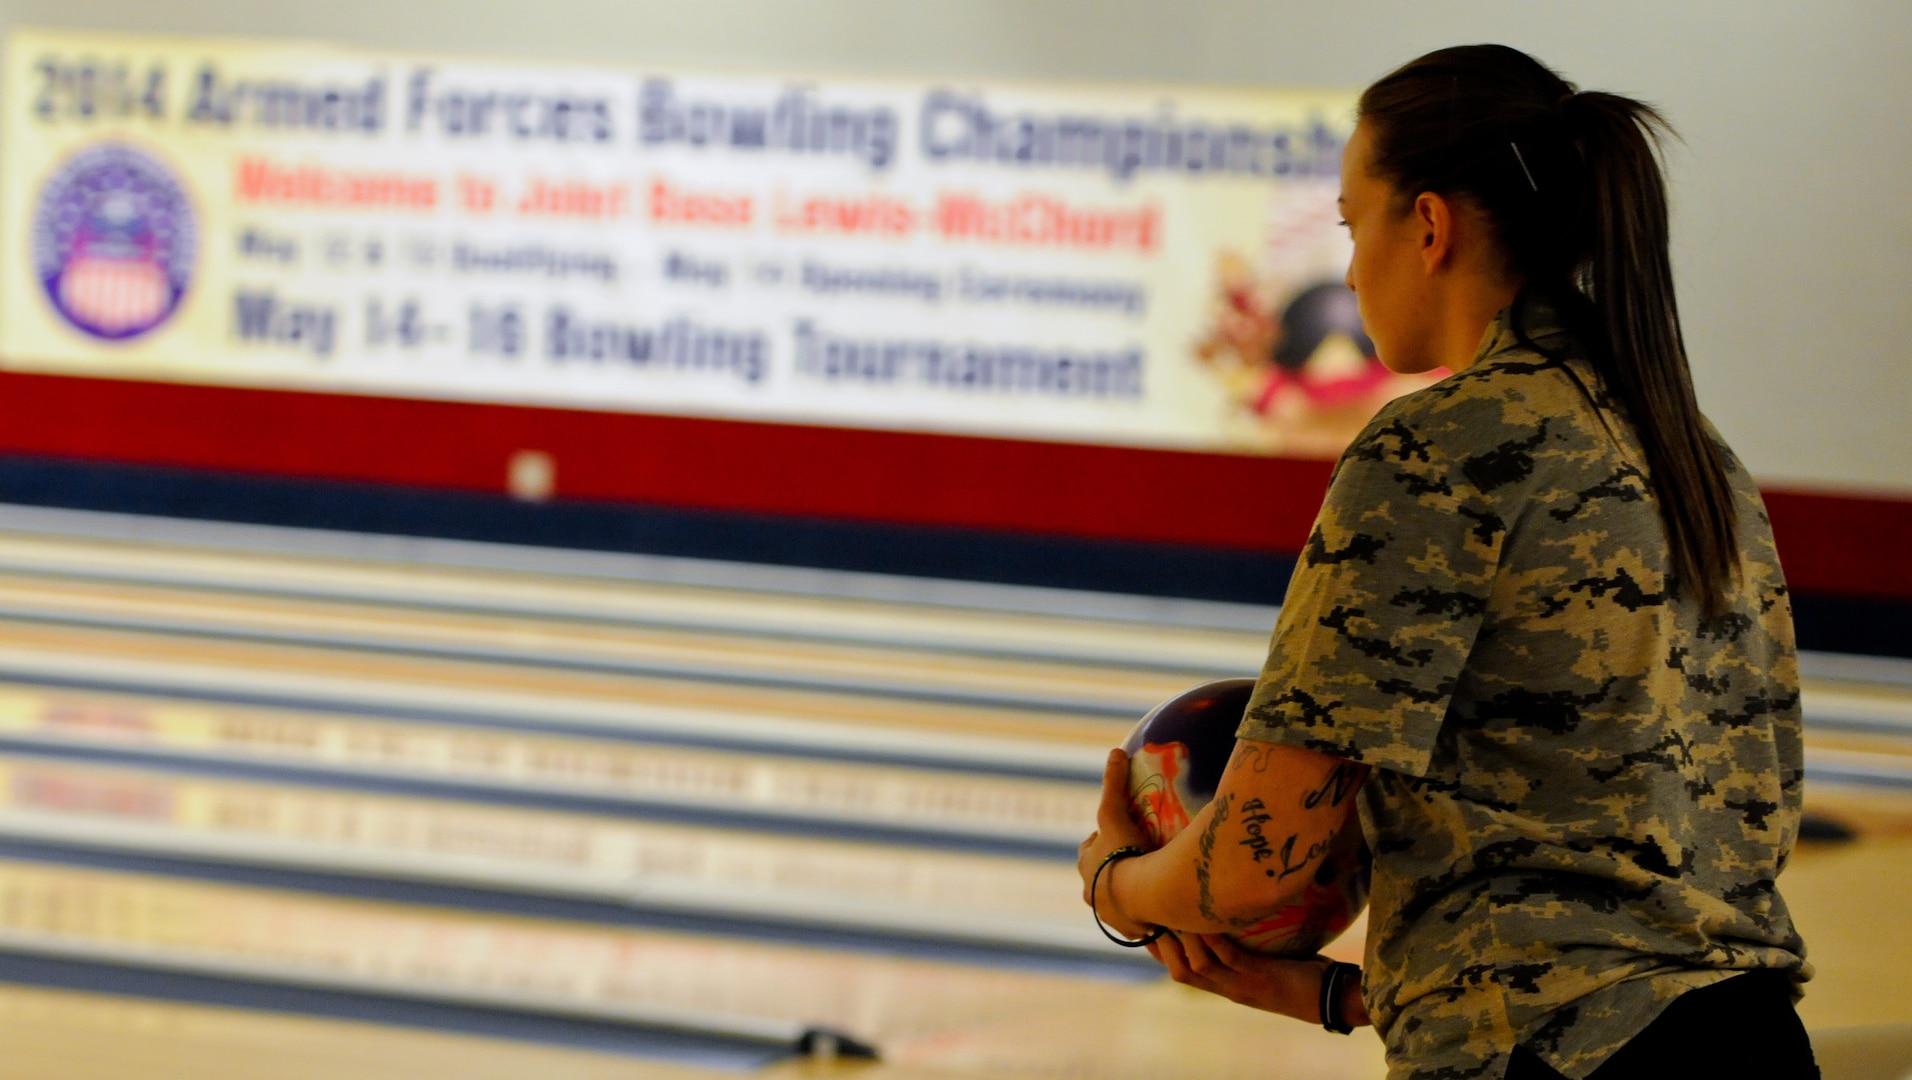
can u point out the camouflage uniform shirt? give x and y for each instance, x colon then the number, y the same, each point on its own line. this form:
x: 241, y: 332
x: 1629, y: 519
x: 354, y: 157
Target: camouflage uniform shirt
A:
x: 1583, y: 790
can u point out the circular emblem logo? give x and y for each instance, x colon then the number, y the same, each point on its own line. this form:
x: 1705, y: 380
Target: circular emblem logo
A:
x: 114, y: 242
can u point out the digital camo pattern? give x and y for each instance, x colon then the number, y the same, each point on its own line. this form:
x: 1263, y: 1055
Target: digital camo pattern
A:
x: 1584, y: 791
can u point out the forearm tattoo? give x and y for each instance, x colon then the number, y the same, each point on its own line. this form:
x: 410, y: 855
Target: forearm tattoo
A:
x: 1205, y: 854
x: 1337, y: 787
x: 1253, y: 754
x: 1254, y: 816
x: 1278, y: 859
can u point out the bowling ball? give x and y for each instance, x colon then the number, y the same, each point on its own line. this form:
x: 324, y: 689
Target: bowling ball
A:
x: 1177, y: 754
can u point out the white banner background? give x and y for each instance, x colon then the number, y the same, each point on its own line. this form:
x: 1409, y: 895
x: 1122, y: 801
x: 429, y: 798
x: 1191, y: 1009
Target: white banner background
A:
x: 1087, y: 264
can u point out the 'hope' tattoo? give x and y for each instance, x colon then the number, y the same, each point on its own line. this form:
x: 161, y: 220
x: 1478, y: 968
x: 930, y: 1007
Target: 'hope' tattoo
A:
x: 1254, y: 815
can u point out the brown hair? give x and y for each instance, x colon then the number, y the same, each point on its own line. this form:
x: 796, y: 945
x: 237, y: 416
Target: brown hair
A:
x: 1571, y: 182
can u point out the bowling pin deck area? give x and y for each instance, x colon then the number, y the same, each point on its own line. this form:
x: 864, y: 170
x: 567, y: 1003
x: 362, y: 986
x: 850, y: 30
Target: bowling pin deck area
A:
x: 592, y: 813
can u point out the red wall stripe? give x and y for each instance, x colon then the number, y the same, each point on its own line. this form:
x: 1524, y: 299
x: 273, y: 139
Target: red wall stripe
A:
x: 1830, y: 543
x: 1103, y: 492
x: 1845, y: 545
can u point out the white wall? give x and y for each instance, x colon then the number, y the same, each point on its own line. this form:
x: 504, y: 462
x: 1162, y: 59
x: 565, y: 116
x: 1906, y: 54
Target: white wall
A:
x: 1793, y: 208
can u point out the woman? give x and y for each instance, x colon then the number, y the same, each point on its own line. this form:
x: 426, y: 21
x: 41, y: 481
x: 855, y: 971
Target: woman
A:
x: 1539, y: 638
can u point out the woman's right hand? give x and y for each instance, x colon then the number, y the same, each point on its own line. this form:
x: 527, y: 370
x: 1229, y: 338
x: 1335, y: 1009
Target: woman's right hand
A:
x: 1216, y: 964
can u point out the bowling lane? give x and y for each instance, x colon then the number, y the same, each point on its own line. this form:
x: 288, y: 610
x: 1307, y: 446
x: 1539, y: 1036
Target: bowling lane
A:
x: 1026, y: 737
x: 1846, y: 668
x: 1020, y: 1025
x: 931, y: 802
x: 62, y: 1034
x: 1858, y: 720
x: 592, y: 749
x: 1005, y: 901
x: 1851, y: 705
x: 636, y: 591
x: 1097, y: 689
x: 414, y: 607
x: 1867, y: 758
x: 925, y: 1017
x: 697, y: 982
x: 850, y: 725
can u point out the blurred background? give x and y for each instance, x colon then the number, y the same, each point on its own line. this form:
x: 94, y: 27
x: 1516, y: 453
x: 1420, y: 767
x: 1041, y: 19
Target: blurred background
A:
x: 612, y: 538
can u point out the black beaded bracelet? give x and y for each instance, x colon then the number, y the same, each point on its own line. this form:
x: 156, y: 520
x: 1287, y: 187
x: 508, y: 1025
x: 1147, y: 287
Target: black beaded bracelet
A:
x: 1331, y: 996
x: 1118, y: 853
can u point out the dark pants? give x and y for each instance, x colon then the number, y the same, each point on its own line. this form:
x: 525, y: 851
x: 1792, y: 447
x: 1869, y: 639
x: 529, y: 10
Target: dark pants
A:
x: 1743, y: 1027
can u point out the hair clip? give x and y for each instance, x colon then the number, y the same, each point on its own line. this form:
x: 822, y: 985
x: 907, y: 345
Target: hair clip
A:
x: 1523, y: 165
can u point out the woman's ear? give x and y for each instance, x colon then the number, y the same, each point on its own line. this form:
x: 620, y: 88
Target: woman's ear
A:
x: 1434, y: 220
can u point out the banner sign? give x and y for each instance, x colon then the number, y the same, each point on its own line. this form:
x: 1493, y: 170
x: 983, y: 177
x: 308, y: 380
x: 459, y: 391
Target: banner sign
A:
x: 1155, y: 267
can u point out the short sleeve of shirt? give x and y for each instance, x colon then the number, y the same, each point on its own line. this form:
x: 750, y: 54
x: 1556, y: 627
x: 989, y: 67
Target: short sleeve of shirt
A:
x: 1385, y: 602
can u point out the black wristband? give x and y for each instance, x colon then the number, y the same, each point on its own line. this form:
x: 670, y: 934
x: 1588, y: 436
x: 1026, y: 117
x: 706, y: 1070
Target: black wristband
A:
x: 1118, y: 853
x: 1331, y: 996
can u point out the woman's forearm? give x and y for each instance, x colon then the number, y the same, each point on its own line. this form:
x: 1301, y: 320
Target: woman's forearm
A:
x: 1250, y: 852
x: 1161, y: 889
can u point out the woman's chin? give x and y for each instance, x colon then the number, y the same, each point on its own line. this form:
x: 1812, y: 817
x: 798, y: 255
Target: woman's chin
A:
x: 1413, y: 365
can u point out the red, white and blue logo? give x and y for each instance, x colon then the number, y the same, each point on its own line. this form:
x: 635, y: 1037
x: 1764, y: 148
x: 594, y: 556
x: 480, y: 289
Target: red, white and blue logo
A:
x: 114, y: 242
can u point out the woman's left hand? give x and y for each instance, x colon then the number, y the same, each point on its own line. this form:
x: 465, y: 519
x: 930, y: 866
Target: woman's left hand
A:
x: 1115, y: 830
x: 1216, y: 964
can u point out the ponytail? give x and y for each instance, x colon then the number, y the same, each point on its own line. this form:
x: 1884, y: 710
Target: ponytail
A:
x: 1572, y: 184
